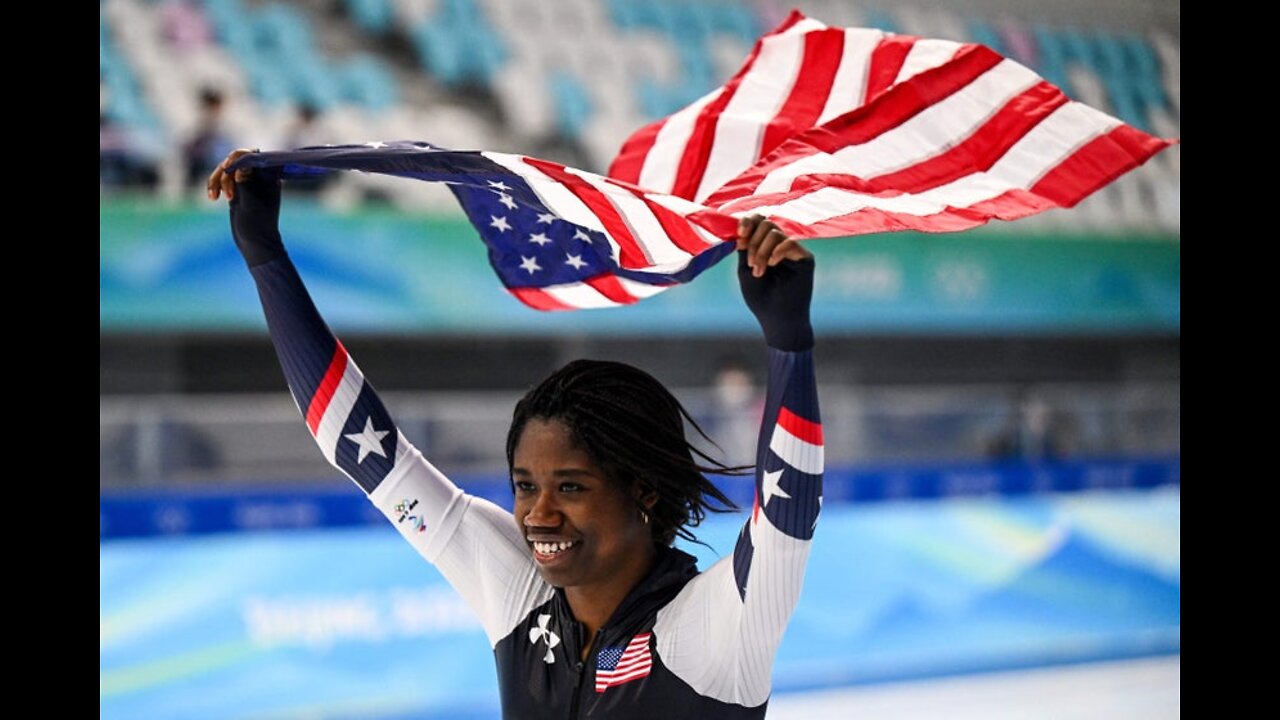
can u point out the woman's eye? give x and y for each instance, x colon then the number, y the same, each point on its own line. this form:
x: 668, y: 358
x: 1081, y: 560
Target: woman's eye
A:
x: 524, y: 487
x: 570, y: 487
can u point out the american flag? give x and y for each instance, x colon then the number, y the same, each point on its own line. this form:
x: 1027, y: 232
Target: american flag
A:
x: 619, y: 664
x: 825, y: 131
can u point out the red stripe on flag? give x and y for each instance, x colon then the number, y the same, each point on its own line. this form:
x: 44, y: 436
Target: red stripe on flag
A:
x: 806, y: 430
x: 823, y: 51
x: 886, y: 63
x: 631, y: 255
x: 1012, y: 205
x: 1097, y: 163
x: 718, y: 224
x: 609, y: 286
x: 697, y: 149
x: 635, y: 151
x: 538, y: 299
x: 981, y: 150
x: 675, y: 225
x: 631, y: 157
x: 891, y: 109
x: 875, y: 220
x: 976, y: 153
x: 320, y: 400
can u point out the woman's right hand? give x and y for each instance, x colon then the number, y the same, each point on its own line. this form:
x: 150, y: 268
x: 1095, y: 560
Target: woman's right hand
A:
x: 222, y: 182
x: 776, y: 275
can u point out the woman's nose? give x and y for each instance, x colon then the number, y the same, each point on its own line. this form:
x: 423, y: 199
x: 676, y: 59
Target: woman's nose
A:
x: 543, y: 513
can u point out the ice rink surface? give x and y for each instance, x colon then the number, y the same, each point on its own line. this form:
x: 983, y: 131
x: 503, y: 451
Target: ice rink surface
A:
x: 1144, y: 689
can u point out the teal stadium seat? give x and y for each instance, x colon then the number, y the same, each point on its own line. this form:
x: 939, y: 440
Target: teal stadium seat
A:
x: 1052, y: 55
x: 373, y: 16
x: 572, y: 104
x: 882, y: 20
x: 983, y: 33
x: 367, y: 82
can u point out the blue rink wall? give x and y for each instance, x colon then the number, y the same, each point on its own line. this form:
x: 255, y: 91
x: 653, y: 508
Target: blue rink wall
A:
x: 350, y: 622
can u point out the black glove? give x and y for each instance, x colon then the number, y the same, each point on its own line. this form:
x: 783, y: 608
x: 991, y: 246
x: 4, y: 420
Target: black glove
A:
x: 255, y: 217
x: 780, y: 301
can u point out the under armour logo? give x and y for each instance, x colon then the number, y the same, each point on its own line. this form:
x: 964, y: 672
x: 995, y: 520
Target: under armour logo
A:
x: 542, y: 633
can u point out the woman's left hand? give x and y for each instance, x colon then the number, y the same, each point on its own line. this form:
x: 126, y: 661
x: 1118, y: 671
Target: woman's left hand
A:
x: 223, y: 182
x: 766, y: 245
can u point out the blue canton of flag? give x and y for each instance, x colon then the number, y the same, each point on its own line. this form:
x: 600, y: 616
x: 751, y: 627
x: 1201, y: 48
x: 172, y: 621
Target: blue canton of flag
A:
x: 530, y: 246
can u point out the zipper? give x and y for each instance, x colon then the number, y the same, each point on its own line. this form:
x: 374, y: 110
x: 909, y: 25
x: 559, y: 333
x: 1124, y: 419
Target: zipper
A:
x: 582, y: 670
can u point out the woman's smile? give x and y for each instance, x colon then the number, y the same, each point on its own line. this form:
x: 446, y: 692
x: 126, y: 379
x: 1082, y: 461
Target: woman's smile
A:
x: 583, y: 529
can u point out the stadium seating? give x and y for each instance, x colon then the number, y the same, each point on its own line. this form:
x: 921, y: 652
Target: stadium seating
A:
x: 575, y: 73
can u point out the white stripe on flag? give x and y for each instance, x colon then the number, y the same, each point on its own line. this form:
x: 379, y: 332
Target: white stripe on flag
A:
x: 664, y: 256
x: 803, y: 456
x: 850, y: 83
x: 926, y: 55
x: 663, y: 159
x: 759, y: 97
x: 1046, y: 146
x: 559, y: 199
x: 1069, y: 127
x: 641, y: 290
x: 928, y: 134
x: 684, y: 208
x: 579, y: 295
x: 329, y: 431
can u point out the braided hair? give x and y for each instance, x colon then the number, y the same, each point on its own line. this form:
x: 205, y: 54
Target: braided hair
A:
x: 630, y: 426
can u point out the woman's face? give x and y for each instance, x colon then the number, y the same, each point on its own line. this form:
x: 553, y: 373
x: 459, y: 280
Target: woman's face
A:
x: 583, y: 530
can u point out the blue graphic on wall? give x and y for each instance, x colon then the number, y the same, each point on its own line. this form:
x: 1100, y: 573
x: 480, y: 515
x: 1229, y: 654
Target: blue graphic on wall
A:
x: 350, y: 622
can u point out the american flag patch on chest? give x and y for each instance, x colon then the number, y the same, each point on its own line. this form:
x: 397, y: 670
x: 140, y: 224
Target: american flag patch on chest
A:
x: 620, y: 664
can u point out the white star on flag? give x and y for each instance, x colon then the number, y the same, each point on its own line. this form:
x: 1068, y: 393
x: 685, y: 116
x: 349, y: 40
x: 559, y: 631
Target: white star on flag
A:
x: 547, y: 218
x: 770, y: 487
x: 539, y: 239
x: 505, y: 199
x: 530, y: 264
x: 579, y: 235
x: 576, y: 261
x: 500, y: 223
x: 499, y: 185
x: 369, y: 440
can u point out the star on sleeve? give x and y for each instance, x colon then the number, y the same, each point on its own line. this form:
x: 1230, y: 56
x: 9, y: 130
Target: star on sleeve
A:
x: 369, y: 440
x: 770, y: 487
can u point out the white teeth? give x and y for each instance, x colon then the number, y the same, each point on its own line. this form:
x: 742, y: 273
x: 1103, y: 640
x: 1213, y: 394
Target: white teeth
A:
x: 546, y: 548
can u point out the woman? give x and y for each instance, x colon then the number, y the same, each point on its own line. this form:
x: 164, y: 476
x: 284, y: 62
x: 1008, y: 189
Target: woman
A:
x: 590, y: 611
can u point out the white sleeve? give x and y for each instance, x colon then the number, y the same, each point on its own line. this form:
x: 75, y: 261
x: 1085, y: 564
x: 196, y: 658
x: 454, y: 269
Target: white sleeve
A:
x: 474, y: 543
x: 721, y: 633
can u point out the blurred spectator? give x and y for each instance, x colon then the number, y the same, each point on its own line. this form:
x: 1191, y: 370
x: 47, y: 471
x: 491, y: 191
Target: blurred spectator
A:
x: 307, y: 131
x: 120, y: 164
x: 185, y: 25
x: 210, y: 142
x: 738, y: 409
x: 1033, y: 432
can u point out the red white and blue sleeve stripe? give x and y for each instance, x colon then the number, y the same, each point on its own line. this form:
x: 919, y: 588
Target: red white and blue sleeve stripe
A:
x: 721, y: 634
x: 342, y: 411
x: 789, y: 459
x: 474, y: 543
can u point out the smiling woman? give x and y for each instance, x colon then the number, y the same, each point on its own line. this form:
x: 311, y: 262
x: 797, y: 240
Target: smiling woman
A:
x: 590, y: 610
